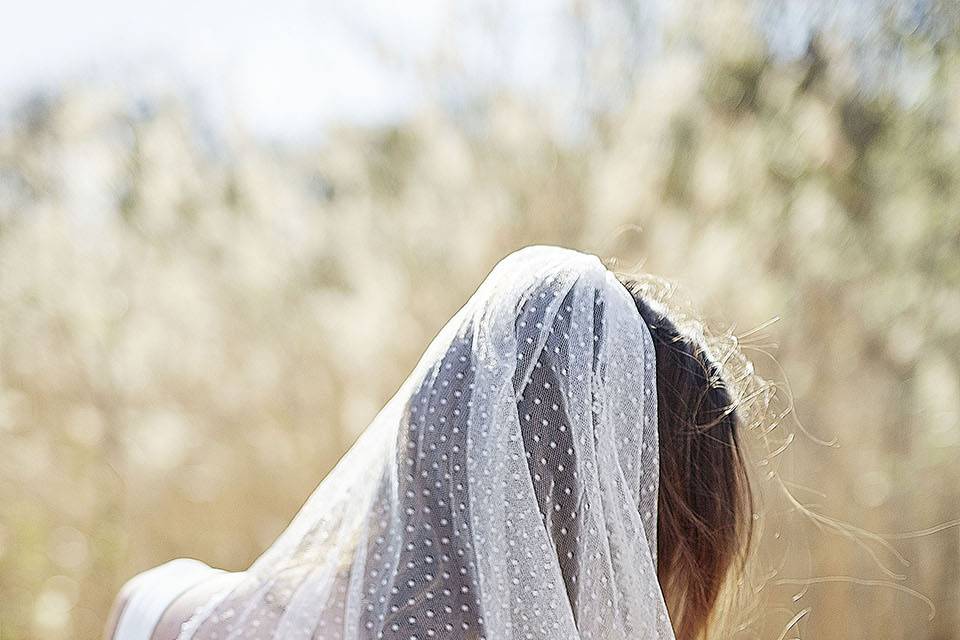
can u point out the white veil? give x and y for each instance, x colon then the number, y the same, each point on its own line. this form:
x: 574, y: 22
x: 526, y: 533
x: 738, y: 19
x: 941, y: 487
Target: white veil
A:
x: 508, y: 490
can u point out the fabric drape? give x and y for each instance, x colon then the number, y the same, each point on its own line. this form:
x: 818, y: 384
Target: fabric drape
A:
x: 507, y: 491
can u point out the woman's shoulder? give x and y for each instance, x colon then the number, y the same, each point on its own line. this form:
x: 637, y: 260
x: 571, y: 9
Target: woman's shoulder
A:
x: 144, y: 599
x: 214, y: 585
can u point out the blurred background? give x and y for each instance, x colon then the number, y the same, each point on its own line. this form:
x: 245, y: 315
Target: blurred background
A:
x: 228, y: 230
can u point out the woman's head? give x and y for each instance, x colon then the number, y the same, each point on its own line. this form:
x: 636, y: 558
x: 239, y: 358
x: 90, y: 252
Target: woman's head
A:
x: 510, y: 488
x: 704, y: 503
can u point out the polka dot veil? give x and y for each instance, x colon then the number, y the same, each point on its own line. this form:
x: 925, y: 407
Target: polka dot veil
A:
x: 508, y: 491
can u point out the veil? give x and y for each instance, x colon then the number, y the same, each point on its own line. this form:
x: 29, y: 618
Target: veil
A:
x: 507, y: 491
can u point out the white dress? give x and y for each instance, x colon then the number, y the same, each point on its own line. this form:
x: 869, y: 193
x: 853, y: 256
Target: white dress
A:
x: 153, y: 591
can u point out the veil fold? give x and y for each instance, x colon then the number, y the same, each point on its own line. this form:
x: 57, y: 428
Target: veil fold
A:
x: 507, y: 491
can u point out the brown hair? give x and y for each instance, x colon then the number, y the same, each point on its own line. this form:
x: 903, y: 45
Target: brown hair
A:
x: 705, y: 504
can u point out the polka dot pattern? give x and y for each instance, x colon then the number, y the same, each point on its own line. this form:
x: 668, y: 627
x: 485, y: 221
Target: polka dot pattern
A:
x: 508, y: 491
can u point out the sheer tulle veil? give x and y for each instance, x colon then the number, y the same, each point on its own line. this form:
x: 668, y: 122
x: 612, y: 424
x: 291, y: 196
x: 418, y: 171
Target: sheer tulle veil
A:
x: 507, y: 491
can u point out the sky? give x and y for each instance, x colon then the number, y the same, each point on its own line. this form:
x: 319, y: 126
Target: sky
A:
x: 280, y: 67
x: 284, y: 68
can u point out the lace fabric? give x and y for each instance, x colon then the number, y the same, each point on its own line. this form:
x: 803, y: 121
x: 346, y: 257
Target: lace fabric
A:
x: 507, y: 491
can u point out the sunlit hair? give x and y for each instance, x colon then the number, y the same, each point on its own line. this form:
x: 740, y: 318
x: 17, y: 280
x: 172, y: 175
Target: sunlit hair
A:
x: 705, y: 503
